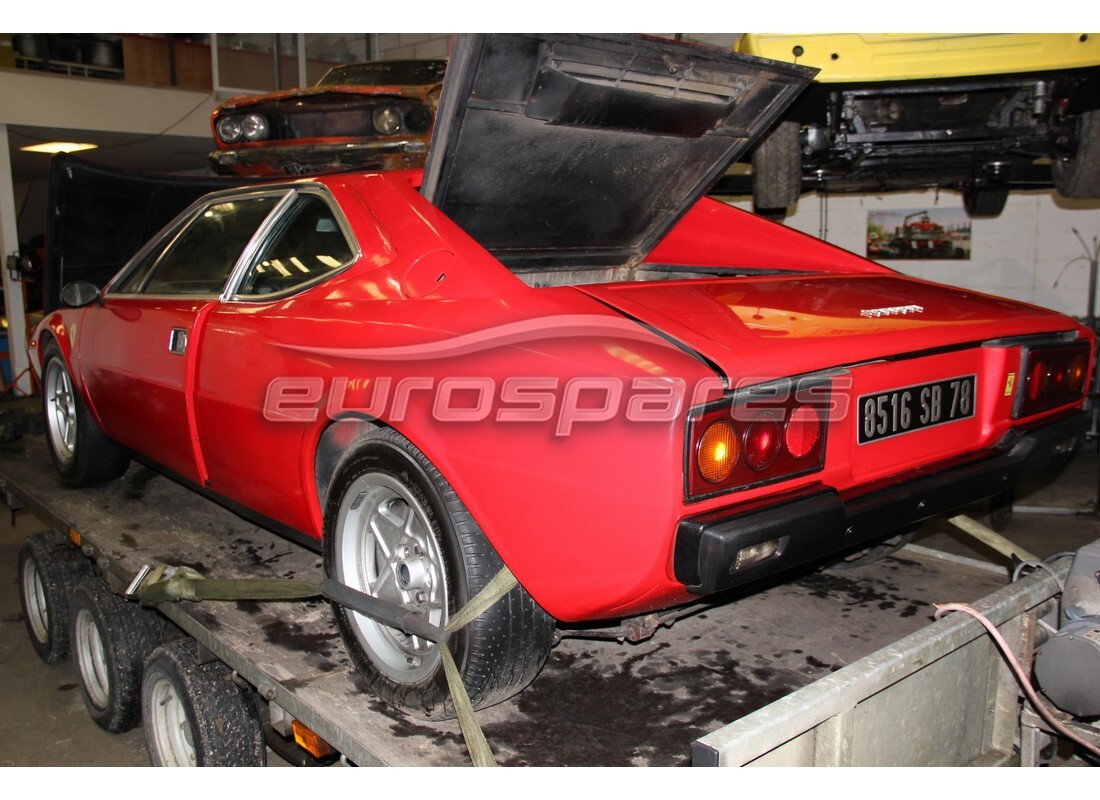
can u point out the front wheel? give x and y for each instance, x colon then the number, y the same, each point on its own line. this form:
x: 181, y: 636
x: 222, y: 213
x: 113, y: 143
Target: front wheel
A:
x: 396, y: 530
x: 80, y: 450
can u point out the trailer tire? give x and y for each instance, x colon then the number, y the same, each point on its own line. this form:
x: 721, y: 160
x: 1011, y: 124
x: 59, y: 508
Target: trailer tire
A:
x: 395, y: 529
x: 81, y: 452
x: 49, y: 570
x: 110, y: 640
x: 195, y: 714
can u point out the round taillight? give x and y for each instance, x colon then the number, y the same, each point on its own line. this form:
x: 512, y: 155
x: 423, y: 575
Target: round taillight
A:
x: 254, y: 127
x: 763, y: 438
x: 803, y: 431
x: 1037, y: 379
x: 1075, y: 375
x: 718, y: 451
x: 387, y: 120
x: 228, y: 128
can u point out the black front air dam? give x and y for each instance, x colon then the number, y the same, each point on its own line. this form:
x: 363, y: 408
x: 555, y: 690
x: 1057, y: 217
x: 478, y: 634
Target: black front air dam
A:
x: 819, y: 522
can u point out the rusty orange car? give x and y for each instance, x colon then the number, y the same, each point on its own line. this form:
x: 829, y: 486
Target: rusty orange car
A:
x: 376, y: 115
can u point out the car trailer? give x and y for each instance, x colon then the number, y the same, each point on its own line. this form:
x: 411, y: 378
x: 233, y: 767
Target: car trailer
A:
x: 243, y: 673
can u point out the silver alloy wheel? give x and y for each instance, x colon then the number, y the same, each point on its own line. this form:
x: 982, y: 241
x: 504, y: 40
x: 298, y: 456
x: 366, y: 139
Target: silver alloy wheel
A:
x: 38, y: 610
x: 91, y: 658
x: 170, y: 726
x: 385, y: 547
x: 60, y: 410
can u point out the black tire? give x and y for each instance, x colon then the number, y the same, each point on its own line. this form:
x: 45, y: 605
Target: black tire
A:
x: 1078, y: 178
x: 195, y: 714
x: 49, y: 570
x: 110, y: 640
x: 777, y: 171
x: 876, y: 552
x: 435, y: 562
x: 985, y: 201
x: 81, y: 452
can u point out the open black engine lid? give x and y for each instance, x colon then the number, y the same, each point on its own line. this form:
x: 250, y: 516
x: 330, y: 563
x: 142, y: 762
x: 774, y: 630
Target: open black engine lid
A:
x: 556, y: 149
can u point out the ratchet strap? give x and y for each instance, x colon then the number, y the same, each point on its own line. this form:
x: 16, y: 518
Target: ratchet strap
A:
x: 183, y: 583
x: 164, y: 584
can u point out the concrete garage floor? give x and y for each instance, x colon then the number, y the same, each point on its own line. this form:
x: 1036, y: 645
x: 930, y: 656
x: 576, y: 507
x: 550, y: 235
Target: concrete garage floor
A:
x: 770, y: 646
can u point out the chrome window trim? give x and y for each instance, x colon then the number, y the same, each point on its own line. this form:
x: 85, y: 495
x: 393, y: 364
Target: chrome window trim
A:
x: 182, y: 222
x: 259, y: 242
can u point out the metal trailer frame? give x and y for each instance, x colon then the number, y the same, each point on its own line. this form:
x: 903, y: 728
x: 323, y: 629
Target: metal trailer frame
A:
x: 939, y: 697
x: 329, y: 702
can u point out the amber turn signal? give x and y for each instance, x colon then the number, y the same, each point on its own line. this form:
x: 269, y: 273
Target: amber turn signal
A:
x: 718, y: 451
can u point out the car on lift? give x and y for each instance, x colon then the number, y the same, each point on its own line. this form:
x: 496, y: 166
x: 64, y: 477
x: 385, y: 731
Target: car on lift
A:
x: 373, y: 115
x: 978, y: 113
x: 549, y: 352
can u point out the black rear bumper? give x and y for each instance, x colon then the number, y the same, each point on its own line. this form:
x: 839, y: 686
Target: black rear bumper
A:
x: 819, y: 522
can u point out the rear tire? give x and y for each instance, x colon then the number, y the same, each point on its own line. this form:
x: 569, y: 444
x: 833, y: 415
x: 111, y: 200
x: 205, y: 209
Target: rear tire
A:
x: 777, y: 171
x: 49, y: 570
x: 1078, y: 178
x: 79, y: 449
x: 195, y: 714
x: 111, y: 639
x: 396, y: 530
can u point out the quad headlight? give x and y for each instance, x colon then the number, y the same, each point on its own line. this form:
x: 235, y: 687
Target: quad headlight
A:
x: 228, y: 129
x: 387, y: 120
x: 250, y: 127
x: 254, y: 127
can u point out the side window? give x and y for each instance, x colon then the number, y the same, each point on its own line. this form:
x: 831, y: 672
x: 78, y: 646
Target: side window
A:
x: 201, y: 258
x: 140, y: 271
x: 306, y: 245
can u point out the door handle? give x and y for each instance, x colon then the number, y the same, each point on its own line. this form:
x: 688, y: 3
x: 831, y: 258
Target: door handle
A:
x: 177, y: 341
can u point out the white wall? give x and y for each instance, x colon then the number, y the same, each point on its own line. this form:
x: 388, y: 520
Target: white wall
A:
x: 1021, y: 254
x: 412, y: 45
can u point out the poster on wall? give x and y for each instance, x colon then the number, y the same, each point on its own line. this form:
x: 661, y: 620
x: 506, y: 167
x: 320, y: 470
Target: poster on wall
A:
x: 911, y: 233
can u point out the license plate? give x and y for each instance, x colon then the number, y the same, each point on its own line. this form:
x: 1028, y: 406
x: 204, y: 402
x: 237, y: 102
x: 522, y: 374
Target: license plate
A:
x: 913, y: 408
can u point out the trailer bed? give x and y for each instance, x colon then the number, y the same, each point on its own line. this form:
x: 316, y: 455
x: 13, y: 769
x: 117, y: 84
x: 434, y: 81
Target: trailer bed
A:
x: 596, y: 702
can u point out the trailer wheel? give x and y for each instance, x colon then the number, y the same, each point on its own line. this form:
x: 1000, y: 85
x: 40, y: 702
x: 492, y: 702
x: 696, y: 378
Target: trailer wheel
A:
x: 81, y: 452
x: 396, y: 530
x: 49, y: 569
x: 196, y: 715
x: 111, y: 639
x: 1078, y: 178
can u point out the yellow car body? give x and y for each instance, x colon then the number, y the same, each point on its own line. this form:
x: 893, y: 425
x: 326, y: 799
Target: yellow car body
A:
x: 980, y: 113
x: 846, y: 57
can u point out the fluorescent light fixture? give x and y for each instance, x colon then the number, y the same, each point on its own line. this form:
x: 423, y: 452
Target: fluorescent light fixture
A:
x: 59, y: 147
